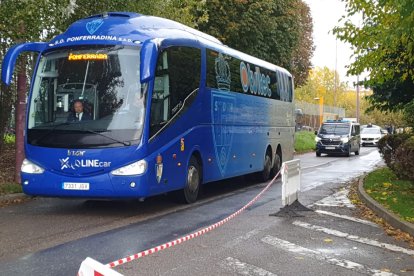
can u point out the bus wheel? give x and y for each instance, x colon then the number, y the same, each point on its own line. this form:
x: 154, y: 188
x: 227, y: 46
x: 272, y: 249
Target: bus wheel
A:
x: 277, y: 164
x: 264, y: 175
x: 193, y: 181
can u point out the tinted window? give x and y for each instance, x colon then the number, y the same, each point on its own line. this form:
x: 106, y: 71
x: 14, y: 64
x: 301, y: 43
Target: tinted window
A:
x: 177, y: 78
x: 227, y: 73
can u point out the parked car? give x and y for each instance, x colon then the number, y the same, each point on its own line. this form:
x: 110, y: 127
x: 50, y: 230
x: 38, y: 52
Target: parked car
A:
x: 371, y: 135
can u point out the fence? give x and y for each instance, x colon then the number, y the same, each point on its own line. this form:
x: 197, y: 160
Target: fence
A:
x: 308, y: 115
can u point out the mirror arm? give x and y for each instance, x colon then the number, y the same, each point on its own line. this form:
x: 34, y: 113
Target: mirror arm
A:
x: 9, y: 61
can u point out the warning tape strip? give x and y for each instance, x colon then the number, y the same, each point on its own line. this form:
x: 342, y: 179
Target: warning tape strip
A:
x: 192, y: 235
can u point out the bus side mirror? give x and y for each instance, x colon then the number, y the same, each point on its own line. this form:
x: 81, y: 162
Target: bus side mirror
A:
x: 148, y: 59
x: 9, y: 61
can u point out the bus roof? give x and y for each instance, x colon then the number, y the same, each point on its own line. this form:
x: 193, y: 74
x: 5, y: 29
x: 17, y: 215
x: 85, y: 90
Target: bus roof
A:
x: 127, y: 28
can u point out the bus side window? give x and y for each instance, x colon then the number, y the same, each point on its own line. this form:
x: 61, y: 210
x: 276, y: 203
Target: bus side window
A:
x: 160, y: 96
x: 177, y: 75
x: 290, y: 88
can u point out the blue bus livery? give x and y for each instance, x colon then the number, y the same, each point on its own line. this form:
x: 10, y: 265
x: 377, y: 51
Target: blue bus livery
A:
x: 165, y: 107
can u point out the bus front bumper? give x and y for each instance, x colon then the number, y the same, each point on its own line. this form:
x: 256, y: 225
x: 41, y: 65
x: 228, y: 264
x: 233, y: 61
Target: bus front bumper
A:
x: 98, y: 186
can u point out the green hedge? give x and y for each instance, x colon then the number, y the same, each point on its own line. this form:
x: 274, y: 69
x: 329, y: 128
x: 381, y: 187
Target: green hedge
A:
x: 398, y: 153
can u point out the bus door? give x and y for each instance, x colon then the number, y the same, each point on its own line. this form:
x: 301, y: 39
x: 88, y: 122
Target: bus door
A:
x: 176, y: 85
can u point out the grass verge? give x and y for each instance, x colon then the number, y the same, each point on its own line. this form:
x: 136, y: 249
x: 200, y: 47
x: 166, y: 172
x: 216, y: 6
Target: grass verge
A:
x: 10, y: 188
x: 394, y: 194
x: 304, y: 141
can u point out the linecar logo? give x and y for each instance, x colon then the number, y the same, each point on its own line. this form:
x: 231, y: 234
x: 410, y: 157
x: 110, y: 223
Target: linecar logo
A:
x: 94, y: 25
x: 65, y: 163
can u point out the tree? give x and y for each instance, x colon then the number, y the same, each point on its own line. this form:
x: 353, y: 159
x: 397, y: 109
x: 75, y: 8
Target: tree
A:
x: 321, y: 83
x: 23, y: 21
x: 276, y: 31
x: 188, y: 12
x: 301, y: 60
x: 383, y: 44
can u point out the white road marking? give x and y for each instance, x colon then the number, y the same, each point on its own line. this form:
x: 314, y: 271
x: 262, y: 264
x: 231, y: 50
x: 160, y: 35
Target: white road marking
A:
x: 355, y: 238
x: 291, y: 247
x: 347, y: 217
x: 236, y: 266
x: 243, y: 238
x: 339, y: 199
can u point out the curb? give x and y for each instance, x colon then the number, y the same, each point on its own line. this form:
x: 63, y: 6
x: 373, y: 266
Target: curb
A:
x: 379, y: 210
x: 10, y: 198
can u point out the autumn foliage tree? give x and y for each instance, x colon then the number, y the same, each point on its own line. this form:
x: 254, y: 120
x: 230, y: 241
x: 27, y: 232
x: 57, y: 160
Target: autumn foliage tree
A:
x: 321, y: 83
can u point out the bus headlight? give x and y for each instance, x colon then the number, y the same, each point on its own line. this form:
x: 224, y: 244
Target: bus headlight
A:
x: 29, y: 167
x: 135, y: 168
x: 345, y: 140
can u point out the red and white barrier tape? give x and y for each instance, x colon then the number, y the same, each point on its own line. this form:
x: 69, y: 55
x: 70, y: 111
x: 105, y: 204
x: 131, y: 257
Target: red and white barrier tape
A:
x: 192, y: 235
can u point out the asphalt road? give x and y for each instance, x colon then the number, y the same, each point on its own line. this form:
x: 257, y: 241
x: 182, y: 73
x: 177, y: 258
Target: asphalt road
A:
x: 52, y: 236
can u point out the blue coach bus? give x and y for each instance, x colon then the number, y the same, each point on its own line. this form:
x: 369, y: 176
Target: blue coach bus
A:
x: 165, y: 108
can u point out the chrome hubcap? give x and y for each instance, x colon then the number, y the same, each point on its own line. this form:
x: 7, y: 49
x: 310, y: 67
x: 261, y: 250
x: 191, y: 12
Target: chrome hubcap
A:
x: 193, y: 178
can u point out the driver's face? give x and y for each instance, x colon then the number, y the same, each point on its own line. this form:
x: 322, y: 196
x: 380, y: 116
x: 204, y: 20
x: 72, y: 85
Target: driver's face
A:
x: 78, y: 107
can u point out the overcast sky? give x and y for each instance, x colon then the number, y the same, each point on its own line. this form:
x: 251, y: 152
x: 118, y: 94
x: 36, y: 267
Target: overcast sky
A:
x: 325, y: 14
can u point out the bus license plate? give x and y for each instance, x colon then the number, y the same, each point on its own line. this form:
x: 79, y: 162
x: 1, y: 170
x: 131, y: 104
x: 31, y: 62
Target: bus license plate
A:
x: 75, y: 186
x: 330, y: 148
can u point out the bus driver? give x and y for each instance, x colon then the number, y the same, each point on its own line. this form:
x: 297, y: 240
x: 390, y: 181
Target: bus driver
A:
x: 78, y: 114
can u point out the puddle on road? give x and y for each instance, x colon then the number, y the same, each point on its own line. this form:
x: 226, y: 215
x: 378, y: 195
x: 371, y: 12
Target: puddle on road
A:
x: 340, y: 170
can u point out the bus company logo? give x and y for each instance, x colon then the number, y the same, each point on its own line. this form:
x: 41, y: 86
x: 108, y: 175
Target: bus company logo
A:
x: 223, y: 75
x: 256, y: 82
x: 223, y: 120
x: 94, y: 25
x: 66, y: 163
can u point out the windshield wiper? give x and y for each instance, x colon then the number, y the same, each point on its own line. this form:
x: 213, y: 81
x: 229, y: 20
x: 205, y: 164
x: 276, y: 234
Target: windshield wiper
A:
x: 125, y: 143
x: 35, y: 141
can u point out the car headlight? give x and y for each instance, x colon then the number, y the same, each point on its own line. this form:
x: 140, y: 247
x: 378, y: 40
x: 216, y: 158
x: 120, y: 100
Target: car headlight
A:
x: 345, y: 140
x: 317, y: 139
x: 30, y: 167
x: 135, y: 168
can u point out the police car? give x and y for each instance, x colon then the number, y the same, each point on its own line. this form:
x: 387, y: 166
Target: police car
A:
x: 338, y: 137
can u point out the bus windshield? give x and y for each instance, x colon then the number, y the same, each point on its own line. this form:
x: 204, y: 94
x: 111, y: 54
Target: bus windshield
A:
x: 87, y: 97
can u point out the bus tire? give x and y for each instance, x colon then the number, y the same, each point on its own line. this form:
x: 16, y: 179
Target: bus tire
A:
x: 277, y: 164
x: 264, y: 175
x: 193, y: 181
